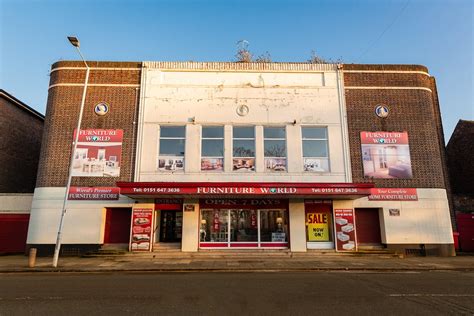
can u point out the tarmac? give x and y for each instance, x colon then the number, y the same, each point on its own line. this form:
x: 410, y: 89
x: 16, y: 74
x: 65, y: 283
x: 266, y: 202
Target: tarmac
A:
x: 236, y: 262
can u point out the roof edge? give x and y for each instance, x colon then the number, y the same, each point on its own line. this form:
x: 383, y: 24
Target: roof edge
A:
x: 229, y: 66
x: 21, y: 104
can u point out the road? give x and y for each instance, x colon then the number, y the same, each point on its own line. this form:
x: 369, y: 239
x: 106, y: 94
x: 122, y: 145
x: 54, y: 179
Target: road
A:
x: 276, y: 293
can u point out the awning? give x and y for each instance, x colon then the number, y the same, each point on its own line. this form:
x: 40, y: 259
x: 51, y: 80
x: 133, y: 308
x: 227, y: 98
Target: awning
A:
x: 244, y: 189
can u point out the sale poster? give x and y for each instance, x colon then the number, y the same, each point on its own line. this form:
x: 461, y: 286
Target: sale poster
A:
x: 141, y: 236
x: 318, y: 226
x: 344, y: 228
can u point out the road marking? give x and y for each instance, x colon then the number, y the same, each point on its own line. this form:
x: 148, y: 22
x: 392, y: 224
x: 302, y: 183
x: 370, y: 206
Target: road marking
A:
x: 432, y: 295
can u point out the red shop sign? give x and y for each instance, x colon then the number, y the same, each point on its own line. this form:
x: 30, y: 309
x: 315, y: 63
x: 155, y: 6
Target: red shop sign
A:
x: 100, y: 135
x: 93, y: 193
x: 243, y: 189
x: 393, y: 194
x: 399, y: 138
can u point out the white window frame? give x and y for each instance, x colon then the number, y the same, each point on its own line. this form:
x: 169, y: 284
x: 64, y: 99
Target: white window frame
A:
x: 243, y: 138
x: 213, y: 138
x: 167, y: 156
x: 270, y: 139
x: 303, y: 139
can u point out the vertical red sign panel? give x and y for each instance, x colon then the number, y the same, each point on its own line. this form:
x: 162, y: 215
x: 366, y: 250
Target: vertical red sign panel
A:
x: 215, y: 223
x: 141, y: 235
x: 253, y: 219
x: 344, y: 227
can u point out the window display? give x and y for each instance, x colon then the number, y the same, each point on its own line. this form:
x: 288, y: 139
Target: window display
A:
x: 315, y: 149
x: 275, y: 149
x: 212, y: 148
x: 172, y: 140
x: 246, y: 226
x: 273, y: 225
x: 243, y: 148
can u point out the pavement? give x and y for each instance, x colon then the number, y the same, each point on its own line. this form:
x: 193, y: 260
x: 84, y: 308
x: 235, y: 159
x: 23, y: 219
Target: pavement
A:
x: 235, y: 262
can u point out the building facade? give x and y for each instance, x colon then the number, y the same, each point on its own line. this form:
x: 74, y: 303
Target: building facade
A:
x: 460, y: 149
x: 244, y: 156
x: 21, y: 129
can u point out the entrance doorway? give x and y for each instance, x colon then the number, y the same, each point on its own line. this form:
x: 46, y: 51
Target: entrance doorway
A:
x: 368, y: 227
x: 117, y: 226
x: 171, y: 226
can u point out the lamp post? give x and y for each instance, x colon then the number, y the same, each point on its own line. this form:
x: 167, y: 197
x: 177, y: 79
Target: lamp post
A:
x: 75, y: 42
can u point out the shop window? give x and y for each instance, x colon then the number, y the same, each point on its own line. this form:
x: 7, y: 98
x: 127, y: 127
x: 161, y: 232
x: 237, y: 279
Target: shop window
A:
x: 243, y: 148
x: 315, y: 149
x: 214, y: 226
x: 319, y: 224
x: 275, y: 149
x: 244, y: 225
x: 172, y: 141
x: 247, y: 228
x: 273, y: 226
x: 212, y: 148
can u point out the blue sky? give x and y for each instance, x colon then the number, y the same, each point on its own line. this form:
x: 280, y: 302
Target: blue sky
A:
x: 437, y: 34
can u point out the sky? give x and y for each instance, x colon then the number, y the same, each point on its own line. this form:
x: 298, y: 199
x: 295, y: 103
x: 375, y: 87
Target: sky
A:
x: 434, y: 33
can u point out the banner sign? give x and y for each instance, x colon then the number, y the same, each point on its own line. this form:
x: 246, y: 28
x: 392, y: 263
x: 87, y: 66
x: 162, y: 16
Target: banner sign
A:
x: 344, y: 228
x: 393, y: 194
x: 277, y: 190
x: 318, y: 226
x: 98, y: 153
x: 93, y: 193
x: 141, y: 235
x: 386, y: 155
x: 244, y: 203
x: 100, y: 135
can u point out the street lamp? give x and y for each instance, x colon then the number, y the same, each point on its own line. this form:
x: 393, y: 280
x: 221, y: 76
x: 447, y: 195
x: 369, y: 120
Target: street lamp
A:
x: 75, y: 42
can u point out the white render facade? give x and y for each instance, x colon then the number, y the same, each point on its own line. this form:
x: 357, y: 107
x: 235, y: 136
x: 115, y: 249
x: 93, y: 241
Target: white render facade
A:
x: 277, y: 98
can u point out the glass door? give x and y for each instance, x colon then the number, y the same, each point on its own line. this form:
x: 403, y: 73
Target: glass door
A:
x: 244, y: 227
x: 171, y: 226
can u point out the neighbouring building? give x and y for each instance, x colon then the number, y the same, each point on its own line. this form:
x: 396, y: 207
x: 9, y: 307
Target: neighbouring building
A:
x: 230, y: 156
x: 21, y: 129
x: 460, y: 150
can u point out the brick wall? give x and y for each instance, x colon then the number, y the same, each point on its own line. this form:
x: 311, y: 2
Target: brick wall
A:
x: 460, y: 151
x: 20, y: 144
x: 115, y: 83
x: 411, y: 110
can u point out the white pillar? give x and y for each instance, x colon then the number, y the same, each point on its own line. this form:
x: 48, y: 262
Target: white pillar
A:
x: 149, y: 152
x: 343, y: 204
x: 294, y: 149
x: 259, y: 152
x: 228, y: 148
x: 190, y: 230
x: 192, y: 148
x: 297, y: 226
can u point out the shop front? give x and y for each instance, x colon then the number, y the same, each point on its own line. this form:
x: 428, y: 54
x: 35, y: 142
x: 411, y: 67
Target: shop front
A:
x: 295, y: 216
